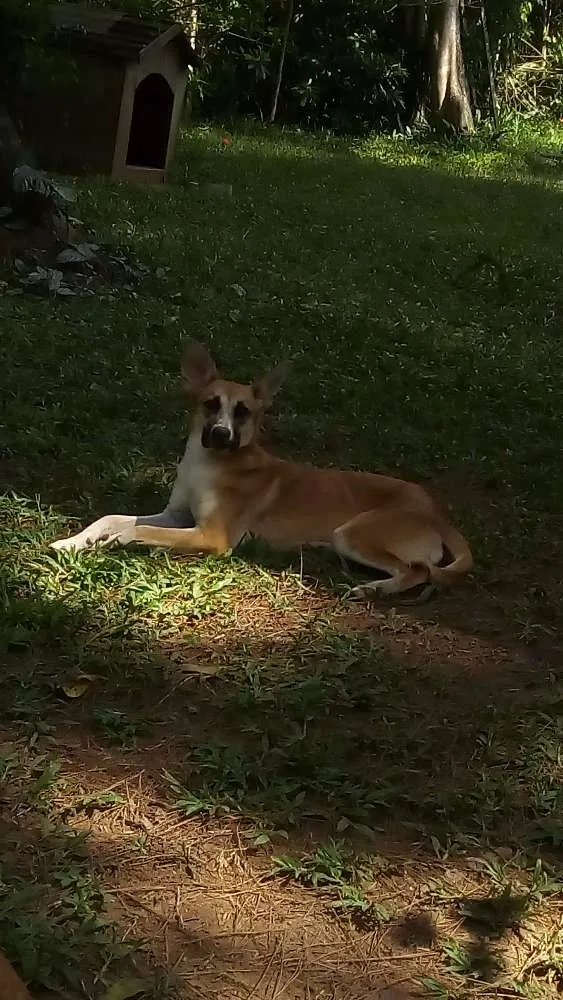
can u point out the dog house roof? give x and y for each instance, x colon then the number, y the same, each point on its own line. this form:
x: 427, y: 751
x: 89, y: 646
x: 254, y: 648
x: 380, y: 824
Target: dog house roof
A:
x: 114, y: 33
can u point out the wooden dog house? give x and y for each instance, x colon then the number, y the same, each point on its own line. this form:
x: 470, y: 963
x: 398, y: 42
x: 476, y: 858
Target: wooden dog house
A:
x: 116, y: 105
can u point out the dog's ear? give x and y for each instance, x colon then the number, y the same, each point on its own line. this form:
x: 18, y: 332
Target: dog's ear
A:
x: 270, y: 384
x: 198, y: 368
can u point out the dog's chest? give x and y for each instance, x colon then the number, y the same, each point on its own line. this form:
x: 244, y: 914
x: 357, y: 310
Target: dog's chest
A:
x: 196, y: 481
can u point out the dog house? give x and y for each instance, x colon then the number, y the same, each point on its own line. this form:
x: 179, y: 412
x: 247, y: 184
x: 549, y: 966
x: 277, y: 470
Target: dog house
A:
x: 115, y: 104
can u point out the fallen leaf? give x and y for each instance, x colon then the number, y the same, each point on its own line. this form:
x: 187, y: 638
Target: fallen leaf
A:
x: 77, y: 687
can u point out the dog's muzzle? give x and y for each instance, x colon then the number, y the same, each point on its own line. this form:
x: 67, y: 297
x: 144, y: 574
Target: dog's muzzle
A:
x: 220, y: 438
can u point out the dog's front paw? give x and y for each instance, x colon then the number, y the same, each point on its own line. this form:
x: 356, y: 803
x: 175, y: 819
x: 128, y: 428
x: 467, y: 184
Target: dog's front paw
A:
x: 72, y: 544
x: 77, y: 543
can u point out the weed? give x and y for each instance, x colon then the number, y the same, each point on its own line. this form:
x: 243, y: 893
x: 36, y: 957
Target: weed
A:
x: 332, y: 867
x: 117, y: 727
x: 54, y: 927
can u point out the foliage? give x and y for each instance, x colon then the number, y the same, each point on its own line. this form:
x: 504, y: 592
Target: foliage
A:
x: 37, y: 199
x: 23, y: 28
x: 531, y: 79
x: 349, y: 66
x: 342, y: 875
x: 343, y: 69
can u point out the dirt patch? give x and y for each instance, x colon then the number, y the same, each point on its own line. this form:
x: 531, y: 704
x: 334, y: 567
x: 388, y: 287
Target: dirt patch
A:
x: 204, y: 900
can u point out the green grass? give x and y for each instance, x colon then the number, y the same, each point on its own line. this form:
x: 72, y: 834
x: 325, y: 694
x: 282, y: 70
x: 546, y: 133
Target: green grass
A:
x: 418, y: 289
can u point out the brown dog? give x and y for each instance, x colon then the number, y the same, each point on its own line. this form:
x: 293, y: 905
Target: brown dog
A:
x: 233, y: 487
x: 11, y: 986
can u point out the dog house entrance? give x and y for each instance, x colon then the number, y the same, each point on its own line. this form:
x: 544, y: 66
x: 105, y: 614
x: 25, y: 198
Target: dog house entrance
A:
x: 150, y: 123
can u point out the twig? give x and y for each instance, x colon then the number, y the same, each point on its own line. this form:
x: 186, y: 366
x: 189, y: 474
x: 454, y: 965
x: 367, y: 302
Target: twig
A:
x: 403, y: 956
x: 262, y: 975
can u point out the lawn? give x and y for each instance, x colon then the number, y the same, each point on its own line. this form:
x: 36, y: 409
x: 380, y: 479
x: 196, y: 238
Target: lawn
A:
x: 220, y: 778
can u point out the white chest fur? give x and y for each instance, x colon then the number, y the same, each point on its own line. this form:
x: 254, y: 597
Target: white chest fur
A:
x: 194, y: 488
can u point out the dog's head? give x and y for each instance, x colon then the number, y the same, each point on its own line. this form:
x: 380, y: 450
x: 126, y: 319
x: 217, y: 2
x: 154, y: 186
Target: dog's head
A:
x: 228, y: 414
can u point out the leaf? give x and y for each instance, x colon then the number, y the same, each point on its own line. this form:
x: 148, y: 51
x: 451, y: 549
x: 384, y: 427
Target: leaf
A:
x: 438, y: 850
x: 79, y: 685
x: 261, y: 839
x: 435, y: 987
x: 47, y: 776
x: 366, y: 831
x: 75, y: 690
x: 64, y: 191
x: 54, y: 280
x: 34, y: 277
x: 124, y: 989
x: 77, y: 254
x: 26, y: 178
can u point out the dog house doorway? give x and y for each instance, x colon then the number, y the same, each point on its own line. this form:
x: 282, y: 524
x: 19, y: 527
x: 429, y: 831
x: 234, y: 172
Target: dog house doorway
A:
x: 151, y: 118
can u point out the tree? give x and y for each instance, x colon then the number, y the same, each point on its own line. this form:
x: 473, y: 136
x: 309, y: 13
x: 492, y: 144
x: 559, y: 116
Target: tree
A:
x: 437, y: 85
x: 448, y: 91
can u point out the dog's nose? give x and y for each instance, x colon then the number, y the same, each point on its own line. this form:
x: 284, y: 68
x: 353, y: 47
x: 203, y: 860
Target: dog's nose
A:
x: 221, y: 437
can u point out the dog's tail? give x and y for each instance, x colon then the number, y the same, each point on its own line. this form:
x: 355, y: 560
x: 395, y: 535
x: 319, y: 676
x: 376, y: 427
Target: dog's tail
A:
x: 462, y: 557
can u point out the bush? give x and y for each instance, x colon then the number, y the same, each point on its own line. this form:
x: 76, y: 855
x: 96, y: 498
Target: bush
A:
x: 23, y: 27
x: 343, y: 66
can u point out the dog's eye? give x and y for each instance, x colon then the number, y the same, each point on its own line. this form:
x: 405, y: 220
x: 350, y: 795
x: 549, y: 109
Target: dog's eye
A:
x: 241, y: 412
x: 212, y: 405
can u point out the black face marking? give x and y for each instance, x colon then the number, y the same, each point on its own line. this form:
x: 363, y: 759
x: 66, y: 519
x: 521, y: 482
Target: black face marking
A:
x: 212, y: 405
x: 241, y: 411
x: 219, y: 438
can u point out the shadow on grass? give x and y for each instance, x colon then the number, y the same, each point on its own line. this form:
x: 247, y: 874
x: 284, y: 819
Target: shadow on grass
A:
x: 78, y: 919
x: 298, y: 710
x: 304, y: 735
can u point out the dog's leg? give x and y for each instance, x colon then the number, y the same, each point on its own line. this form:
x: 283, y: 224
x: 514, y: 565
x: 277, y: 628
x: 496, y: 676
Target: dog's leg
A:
x: 209, y: 539
x: 115, y: 528
x: 369, y: 539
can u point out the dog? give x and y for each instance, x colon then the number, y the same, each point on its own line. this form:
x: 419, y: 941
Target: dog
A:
x: 11, y: 986
x: 227, y: 487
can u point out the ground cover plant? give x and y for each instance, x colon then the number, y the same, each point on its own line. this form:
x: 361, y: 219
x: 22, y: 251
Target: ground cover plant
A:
x: 220, y: 778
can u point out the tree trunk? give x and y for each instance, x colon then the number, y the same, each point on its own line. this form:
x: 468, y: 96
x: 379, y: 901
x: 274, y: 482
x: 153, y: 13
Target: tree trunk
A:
x: 412, y: 22
x: 449, y: 94
x: 193, y: 26
x: 279, y: 74
x: 9, y: 148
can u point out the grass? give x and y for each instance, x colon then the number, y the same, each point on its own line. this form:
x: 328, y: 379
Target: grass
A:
x: 223, y: 758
